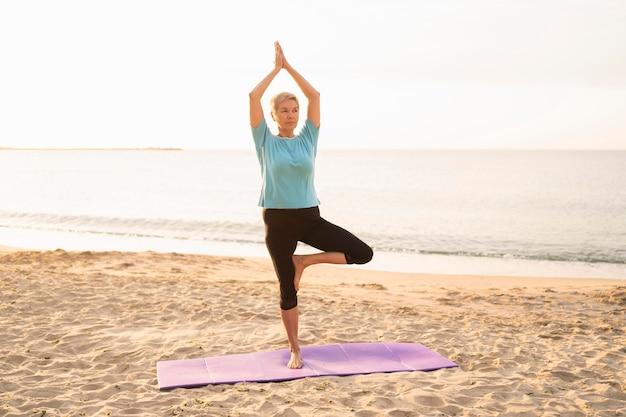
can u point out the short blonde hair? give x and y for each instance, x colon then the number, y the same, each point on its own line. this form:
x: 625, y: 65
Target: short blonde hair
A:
x: 279, y: 98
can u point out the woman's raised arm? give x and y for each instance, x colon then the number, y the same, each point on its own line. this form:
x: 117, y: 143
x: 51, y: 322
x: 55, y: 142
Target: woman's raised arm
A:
x: 312, y: 95
x: 256, y: 108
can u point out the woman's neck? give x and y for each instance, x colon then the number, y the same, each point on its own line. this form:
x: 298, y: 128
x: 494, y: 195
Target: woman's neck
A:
x: 287, y: 134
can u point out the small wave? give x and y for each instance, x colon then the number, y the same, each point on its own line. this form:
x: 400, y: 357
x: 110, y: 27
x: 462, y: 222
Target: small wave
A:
x: 179, y: 229
x: 521, y: 255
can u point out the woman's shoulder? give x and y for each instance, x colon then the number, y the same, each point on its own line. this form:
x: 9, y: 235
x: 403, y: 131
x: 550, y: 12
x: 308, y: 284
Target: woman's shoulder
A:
x: 309, y: 130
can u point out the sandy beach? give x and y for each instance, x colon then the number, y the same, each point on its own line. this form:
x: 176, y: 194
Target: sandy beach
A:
x: 82, y: 332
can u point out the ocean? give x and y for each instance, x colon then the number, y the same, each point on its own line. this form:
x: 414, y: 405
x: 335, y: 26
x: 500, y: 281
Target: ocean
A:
x: 531, y: 213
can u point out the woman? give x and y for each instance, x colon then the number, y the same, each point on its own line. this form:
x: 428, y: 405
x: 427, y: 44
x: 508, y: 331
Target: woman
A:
x: 288, y: 197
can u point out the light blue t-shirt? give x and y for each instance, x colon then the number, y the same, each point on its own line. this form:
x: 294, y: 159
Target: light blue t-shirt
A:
x: 287, y: 167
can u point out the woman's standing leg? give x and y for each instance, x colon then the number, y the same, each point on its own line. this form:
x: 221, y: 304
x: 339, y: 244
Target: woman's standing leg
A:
x: 281, y: 243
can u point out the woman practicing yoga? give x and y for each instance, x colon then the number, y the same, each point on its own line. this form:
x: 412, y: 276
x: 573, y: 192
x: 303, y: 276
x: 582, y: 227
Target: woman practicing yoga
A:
x: 288, y: 197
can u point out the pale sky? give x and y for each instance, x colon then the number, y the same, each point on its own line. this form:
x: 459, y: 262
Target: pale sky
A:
x: 425, y: 74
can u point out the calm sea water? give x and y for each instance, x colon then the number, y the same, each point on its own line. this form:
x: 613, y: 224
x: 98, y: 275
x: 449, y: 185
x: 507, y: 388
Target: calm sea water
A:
x: 544, y: 213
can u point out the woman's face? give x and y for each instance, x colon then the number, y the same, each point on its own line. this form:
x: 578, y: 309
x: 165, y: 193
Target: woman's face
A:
x: 286, y: 115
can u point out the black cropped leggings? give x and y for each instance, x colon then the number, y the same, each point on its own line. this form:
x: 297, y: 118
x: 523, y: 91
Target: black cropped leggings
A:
x: 285, y: 227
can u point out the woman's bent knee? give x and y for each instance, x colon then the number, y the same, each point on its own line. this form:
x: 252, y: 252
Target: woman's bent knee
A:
x: 363, y: 256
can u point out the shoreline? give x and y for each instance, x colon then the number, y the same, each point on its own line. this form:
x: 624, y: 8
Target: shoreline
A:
x: 382, y: 261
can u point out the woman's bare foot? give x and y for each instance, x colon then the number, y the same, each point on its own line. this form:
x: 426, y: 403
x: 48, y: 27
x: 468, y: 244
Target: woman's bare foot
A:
x: 298, y: 263
x: 290, y: 321
x: 295, y: 362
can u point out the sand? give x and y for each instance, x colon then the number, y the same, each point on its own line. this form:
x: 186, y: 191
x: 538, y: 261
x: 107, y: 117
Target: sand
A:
x: 82, y: 332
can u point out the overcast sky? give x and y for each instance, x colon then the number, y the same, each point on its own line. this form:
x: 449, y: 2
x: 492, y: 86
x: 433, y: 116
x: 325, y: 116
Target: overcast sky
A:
x: 461, y: 74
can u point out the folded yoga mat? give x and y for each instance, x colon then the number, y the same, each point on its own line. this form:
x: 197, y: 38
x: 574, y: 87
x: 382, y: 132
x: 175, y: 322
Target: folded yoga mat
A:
x: 338, y: 359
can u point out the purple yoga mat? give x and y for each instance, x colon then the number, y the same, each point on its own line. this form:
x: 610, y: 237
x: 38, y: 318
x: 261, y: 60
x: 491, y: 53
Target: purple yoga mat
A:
x: 338, y: 359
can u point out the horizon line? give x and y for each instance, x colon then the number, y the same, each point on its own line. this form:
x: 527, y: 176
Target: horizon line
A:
x: 167, y: 149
